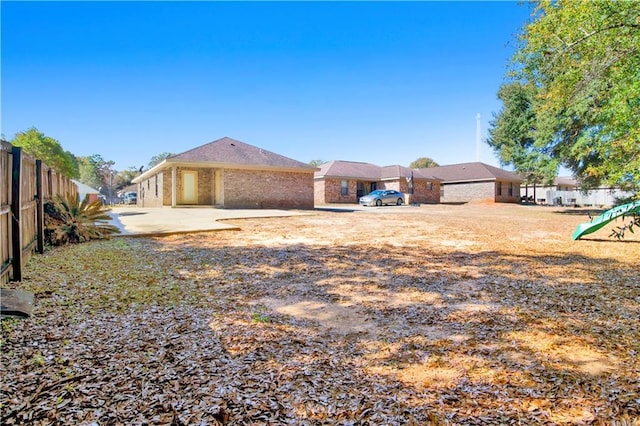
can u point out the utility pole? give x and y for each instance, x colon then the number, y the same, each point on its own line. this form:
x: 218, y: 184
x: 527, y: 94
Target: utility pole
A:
x: 478, y: 142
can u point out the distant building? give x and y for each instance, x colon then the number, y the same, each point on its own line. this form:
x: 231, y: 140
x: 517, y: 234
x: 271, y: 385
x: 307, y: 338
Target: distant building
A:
x: 347, y: 181
x: 86, y: 191
x: 566, y: 191
x: 476, y: 181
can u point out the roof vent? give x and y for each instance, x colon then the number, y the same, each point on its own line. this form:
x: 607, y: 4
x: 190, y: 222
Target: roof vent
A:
x: 233, y: 144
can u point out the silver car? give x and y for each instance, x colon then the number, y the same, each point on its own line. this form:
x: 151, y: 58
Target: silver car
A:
x: 382, y: 196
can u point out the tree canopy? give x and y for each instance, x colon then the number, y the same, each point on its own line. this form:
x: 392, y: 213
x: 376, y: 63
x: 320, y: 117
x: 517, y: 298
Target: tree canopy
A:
x: 316, y: 163
x: 91, y: 170
x: 583, y: 58
x: 47, y: 149
x: 423, y: 163
x: 512, y: 135
x: 157, y: 159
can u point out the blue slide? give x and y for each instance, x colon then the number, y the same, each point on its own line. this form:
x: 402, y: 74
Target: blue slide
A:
x: 606, y: 217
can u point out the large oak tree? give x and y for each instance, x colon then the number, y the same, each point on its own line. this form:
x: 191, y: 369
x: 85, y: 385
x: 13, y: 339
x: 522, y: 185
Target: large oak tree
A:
x: 583, y: 59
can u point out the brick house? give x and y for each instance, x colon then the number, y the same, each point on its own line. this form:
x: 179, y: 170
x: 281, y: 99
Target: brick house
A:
x: 347, y: 181
x: 465, y: 182
x: 227, y: 173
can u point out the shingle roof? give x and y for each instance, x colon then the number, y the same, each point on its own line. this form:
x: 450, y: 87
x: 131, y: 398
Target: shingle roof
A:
x: 231, y: 151
x: 368, y: 171
x: 349, y: 169
x: 470, y: 172
x: 390, y: 172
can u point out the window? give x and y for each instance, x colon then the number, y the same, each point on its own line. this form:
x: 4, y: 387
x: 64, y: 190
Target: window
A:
x: 344, y: 188
x: 510, y: 189
x: 429, y: 186
x: 499, y: 188
x: 156, y: 186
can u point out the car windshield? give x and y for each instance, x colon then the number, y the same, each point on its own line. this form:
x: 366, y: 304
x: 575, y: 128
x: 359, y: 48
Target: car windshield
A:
x: 378, y: 192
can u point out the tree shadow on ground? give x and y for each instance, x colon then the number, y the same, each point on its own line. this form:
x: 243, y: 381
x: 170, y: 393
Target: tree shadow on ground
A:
x: 503, y: 330
x: 191, y: 331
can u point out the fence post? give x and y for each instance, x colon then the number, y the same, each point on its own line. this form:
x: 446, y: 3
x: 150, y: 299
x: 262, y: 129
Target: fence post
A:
x: 39, y: 207
x: 16, y: 207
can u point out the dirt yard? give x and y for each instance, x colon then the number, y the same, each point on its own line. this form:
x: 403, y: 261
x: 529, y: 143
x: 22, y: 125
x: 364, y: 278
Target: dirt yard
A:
x: 472, y: 314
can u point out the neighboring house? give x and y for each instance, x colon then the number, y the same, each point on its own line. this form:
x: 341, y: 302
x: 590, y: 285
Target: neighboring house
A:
x: 227, y: 173
x: 566, y: 191
x: 86, y: 191
x: 465, y: 182
x: 347, y: 181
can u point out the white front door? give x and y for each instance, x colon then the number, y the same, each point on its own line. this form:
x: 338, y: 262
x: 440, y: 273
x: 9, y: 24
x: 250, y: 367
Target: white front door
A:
x: 189, y: 187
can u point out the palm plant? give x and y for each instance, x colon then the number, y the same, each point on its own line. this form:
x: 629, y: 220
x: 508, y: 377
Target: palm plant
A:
x: 69, y: 221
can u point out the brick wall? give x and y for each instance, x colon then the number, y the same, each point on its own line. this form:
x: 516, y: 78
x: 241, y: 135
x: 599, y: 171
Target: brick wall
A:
x: 422, y: 194
x: 205, y: 188
x: 510, y: 192
x: 319, y: 192
x: 166, y: 187
x: 267, y: 189
x: 147, y: 196
x: 332, y: 191
x: 479, y: 191
x: 470, y: 191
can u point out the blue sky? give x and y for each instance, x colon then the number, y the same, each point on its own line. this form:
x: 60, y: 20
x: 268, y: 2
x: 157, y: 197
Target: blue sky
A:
x: 380, y: 82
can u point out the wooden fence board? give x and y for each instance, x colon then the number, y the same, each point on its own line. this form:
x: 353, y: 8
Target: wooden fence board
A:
x: 5, y: 211
x: 25, y: 184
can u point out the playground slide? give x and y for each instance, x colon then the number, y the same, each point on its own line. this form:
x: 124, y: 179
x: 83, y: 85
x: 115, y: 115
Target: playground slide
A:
x: 604, y: 218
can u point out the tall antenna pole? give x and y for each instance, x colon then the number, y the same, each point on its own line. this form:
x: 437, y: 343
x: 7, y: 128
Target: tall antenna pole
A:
x: 478, y: 143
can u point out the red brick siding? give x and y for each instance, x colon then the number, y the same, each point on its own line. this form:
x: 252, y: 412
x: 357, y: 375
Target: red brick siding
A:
x: 421, y: 193
x: 267, y: 189
x: 332, y: 191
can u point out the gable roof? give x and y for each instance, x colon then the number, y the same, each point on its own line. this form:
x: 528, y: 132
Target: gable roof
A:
x: 368, y: 171
x: 84, y: 189
x: 228, y: 152
x: 471, y: 172
x: 349, y: 169
x: 231, y: 151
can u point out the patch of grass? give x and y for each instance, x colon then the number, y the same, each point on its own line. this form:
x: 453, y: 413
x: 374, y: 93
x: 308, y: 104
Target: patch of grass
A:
x: 260, y: 317
x: 115, y: 275
x: 8, y: 326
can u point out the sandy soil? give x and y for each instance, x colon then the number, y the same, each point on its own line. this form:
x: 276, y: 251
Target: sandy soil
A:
x: 470, y: 314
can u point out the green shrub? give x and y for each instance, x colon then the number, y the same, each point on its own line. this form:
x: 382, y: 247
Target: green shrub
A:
x: 69, y: 221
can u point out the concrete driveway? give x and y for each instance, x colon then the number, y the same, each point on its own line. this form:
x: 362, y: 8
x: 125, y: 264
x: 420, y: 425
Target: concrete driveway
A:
x: 139, y: 221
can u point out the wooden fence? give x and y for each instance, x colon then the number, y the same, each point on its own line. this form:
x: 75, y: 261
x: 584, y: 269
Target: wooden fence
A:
x: 25, y: 184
